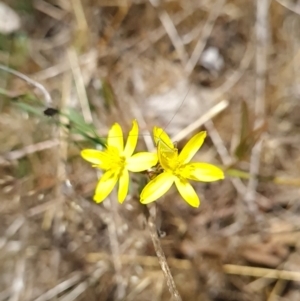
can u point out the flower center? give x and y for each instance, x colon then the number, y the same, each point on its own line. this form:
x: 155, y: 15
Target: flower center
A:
x: 116, y: 160
x: 174, y: 165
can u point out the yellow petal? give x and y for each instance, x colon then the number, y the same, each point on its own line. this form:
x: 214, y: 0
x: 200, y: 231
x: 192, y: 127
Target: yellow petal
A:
x: 160, y: 135
x: 157, y: 187
x: 203, y: 172
x: 123, y: 186
x: 131, y: 140
x: 115, y: 137
x: 191, y: 148
x: 167, y: 159
x: 141, y: 161
x: 105, y: 186
x: 187, y: 192
x: 96, y: 157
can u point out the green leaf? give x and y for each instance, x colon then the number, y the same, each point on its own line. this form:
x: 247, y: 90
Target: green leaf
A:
x: 79, y: 126
x: 29, y: 109
x: 243, y: 145
x: 248, y: 135
x: 76, y: 122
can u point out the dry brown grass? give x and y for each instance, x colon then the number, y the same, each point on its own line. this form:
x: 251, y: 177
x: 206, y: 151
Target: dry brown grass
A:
x: 119, y: 60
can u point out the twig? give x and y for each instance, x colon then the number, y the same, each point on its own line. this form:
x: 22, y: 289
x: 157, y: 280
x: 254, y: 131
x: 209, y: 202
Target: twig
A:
x: 56, y: 70
x: 261, y: 68
x: 18, y: 283
x: 79, y: 15
x: 117, y: 20
x: 236, y: 75
x: 49, y: 9
x: 215, y: 110
x: 213, y: 133
x: 261, y: 272
x: 61, y: 171
x: 133, y: 295
x: 150, y: 220
x: 224, y: 154
x: 148, y: 261
x: 82, y: 96
x: 218, y: 93
x: 84, y: 285
x: 107, y: 218
x: 277, y: 290
x: 11, y: 230
x: 29, y: 149
x: 20, y: 267
x: 47, y: 97
x: 157, y: 34
x: 207, y: 29
x: 114, y: 245
x: 143, y: 124
x: 294, y: 8
x: 61, y: 159
x: 61, y: 287
x: 171, y: 30
x: 185, y: 264
x: 63, y: 132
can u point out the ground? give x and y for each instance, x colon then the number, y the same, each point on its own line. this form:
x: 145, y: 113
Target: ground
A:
x: 228, y: 67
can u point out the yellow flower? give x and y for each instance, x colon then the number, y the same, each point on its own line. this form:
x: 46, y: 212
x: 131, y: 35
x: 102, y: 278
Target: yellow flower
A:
x: 176, y: 168
x: 117, y: 160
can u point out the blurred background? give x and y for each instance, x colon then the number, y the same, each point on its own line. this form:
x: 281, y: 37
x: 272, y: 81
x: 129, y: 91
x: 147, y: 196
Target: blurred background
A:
x: 230, y: 67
